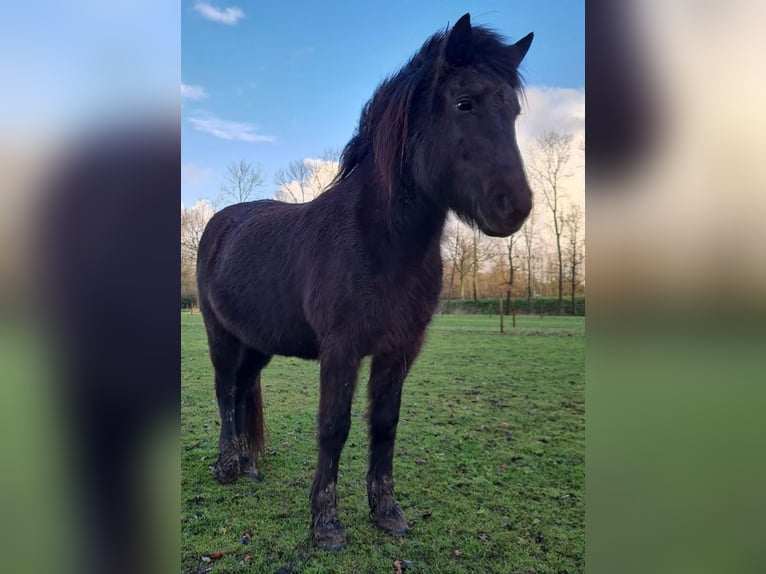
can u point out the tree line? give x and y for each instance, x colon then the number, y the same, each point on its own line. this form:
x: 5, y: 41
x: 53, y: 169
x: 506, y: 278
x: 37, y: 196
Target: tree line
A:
x: 545, y: 258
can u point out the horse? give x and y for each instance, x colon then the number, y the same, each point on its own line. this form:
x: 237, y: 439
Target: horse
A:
x: 357, y: 271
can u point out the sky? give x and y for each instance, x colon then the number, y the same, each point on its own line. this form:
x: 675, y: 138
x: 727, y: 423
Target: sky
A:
x: 273, y: 82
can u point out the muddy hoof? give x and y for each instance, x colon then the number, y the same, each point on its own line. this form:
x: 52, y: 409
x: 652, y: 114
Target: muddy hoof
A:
x: 391, y: 521
x: 248, y: 469
x: 330, y: 536
x: 226, y: 471
x: 253, y: 475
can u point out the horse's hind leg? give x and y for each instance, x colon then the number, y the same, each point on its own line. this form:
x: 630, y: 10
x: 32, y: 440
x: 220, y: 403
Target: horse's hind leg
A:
x: 225, y: 351
x: 387, y: 375
x: 249, y: 410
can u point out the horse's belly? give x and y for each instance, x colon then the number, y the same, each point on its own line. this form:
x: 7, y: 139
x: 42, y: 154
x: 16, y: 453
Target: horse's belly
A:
x: 290, y: 339
x: 301, y: 347
x: 267, y: 327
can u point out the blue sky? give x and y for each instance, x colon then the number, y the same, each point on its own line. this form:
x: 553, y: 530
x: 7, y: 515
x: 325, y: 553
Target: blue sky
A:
x: 287, y: 80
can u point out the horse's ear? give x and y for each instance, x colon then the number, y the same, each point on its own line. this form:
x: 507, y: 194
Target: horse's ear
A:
x: 519, y: 49
x: 459, y: 42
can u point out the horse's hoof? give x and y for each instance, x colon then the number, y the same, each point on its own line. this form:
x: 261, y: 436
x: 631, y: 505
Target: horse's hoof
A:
x: 226, y: 472
x: 249, y: 470
x: 253, y: 475
x: 331, y: 536
x: 392, y: 522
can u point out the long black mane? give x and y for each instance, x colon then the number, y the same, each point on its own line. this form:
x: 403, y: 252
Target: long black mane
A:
x: 389, y: 119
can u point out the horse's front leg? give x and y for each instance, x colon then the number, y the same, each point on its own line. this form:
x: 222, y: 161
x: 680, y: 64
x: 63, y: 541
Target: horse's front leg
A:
x: 387, y: 375
x: 338, y: 374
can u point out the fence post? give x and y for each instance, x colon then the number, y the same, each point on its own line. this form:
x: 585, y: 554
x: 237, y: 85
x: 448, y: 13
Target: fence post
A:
x: 500, y: 300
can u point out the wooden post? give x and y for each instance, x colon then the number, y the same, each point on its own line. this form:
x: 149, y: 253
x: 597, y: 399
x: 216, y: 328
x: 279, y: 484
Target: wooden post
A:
x: 500, y: 299
x: 513, y: 311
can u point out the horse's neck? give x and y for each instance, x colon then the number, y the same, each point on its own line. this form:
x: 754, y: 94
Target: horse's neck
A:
x: 409, y: 227
x: 416, y: 221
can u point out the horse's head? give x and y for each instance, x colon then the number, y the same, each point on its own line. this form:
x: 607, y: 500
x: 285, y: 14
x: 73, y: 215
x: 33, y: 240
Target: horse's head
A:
x: 466, y: 156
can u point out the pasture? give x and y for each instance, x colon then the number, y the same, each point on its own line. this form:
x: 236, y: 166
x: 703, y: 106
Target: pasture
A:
x: 489, y: 460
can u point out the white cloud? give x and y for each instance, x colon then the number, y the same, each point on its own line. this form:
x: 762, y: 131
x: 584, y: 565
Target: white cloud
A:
x: 230, y: 15
x: 558, y: 110
x: 551, y: 109
x: 193, y: 92
x: 227, y: 130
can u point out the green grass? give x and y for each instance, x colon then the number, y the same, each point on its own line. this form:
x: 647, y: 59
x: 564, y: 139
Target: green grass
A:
x: 489, y: 463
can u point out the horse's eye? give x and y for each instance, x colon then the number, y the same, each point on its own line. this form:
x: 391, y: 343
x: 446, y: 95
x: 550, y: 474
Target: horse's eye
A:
x: 464, y: 105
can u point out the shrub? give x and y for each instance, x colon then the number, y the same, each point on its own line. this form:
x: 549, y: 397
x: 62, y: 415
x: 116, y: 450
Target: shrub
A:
x: 540, y: 306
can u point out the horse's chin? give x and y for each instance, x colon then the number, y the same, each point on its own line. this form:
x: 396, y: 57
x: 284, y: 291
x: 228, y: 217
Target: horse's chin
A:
x: 503, y: 233
x: 498, y: 229
x: 493, y: 233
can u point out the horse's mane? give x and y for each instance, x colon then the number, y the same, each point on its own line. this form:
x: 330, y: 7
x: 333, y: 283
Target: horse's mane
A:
x: 384, y: 126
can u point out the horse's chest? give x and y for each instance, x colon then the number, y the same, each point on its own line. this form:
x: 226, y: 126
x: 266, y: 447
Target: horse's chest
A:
x: 404, y: 311
x: 374, y: 309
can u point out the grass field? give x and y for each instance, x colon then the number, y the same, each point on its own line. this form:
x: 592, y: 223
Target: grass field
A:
x: 489, y: 463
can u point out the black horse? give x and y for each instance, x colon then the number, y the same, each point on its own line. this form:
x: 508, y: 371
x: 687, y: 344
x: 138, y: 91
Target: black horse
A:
x: 358, y: 271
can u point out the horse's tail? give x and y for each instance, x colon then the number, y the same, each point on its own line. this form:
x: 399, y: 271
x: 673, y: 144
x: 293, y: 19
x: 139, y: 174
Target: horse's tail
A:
x: 257, y: 445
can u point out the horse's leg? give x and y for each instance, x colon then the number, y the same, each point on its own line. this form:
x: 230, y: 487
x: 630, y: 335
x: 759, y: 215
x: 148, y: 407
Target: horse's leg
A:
x: 225, y: 351
x: 387, y: 375
x: 249, y: 410
x: 337, y: 381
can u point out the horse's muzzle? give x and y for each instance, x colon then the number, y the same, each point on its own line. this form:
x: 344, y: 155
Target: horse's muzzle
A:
x: 504, y: 213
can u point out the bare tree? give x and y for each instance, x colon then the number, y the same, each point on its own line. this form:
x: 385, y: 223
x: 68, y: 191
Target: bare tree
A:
x: 458, y: 252
x: 575, y: 253
x: 193, y: 222
x: 528, y: 236
x: 474, y: 261
x: 547, y: 168
x: 511, y: 245
x: 450, y: 243
x: 483, y: 249
x: 331, y: 155
x: 304, y: 180
x: 242, y: 181
x: 294, y: 182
